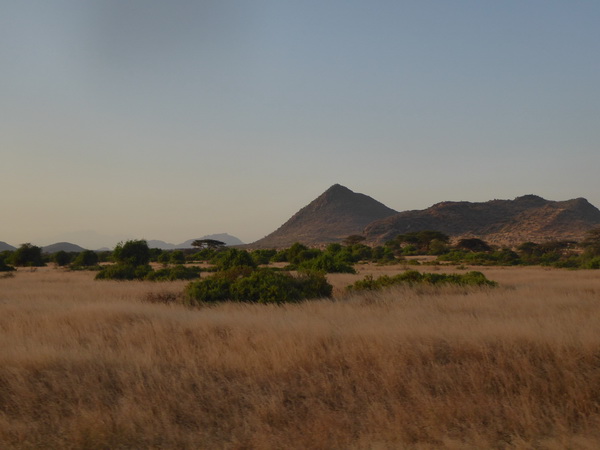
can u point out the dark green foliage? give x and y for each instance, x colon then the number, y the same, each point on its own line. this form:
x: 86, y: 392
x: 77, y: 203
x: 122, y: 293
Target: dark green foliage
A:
x: 419, y: 241
x: 591, y: 263
x: 591, y: 243
x: 258, y: 286
x: 62, y: 258
x: 263, y: 256
x: 164, y: 258
x: 124, y: 272
x: 87, y: 258
x: 206, y: 254
x: 155, y: 254
x: 412, y: 277
x: 135, y: 253
x: 383, y: 255
x: 179, y: 272
x: 3, y: 266
x: 437, y: 247
x: 27, y: 255
x: 104, y: 256
x: 231, y: 258
x: 473, y: 245
x: 328, y: 263
x: 503, y: 257
x: 177, y: 257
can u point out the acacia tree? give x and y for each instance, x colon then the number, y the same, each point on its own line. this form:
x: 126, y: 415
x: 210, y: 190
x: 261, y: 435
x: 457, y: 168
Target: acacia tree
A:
x: 473, y: 245
x: 212, y: 244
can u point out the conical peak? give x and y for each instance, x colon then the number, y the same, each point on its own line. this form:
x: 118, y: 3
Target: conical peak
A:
x: 338, y: 189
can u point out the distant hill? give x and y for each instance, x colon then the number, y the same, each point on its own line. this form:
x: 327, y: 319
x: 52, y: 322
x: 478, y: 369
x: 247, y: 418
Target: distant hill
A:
x: 4, y: 246
x: 501, y: 222
x: 161, y: 244
x: 62, y: 246
x: 334, y: 215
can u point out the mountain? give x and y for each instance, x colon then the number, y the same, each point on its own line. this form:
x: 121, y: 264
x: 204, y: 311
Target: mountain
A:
x: 334, y: 215
x: 501, y: 222
x: 223, y: 237
x: 62, y: 246
x: 161, y: 244
x: 4, y: 246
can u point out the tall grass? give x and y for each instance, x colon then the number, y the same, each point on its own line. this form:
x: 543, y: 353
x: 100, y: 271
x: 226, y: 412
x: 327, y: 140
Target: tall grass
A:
x: 87, y: 364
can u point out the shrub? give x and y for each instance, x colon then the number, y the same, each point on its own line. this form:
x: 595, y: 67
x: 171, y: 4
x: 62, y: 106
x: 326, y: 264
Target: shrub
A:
x: 413, y: 277
x: 87, y: 258
x: 214, y: 289
x: 263, y: 256
x: 62, y: 258
x: 258, y: 286
x: 328, y: 263
x: 5, y: 267
x: 232, y: 258
x: 179, y: 272
x: 135, y: 253
x: 27, y: 255
x: 124, y: 272
x: 177, y: 257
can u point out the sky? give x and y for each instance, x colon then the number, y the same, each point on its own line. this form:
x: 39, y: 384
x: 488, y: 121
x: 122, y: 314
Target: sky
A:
x: 173, y: 120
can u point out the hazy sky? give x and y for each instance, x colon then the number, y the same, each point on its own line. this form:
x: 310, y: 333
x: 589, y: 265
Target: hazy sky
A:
x: 175, y: 119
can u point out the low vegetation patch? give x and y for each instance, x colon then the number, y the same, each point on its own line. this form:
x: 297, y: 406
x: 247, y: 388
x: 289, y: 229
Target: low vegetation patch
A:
x: 258, y: 286
x: 412, y: 277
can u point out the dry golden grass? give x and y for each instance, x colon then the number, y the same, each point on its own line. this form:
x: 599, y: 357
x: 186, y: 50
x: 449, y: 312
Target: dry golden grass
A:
x: 87, y: 364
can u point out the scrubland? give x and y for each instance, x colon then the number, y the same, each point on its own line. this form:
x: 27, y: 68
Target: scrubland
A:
x: 91, y: 364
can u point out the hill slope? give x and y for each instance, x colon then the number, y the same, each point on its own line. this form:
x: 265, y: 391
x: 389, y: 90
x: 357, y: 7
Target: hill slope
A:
x: 502, y: 222
x: 4, y: 246
x: 62, y: 246
x: 332, y: 216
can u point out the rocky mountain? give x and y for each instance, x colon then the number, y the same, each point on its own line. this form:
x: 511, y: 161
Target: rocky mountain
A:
x: 334, y: 215
x: 62, y: 246
x: 4, y: 246
x: 501, y: 222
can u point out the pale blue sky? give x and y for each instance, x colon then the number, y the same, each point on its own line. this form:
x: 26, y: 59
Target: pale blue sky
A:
x: 175, y: 119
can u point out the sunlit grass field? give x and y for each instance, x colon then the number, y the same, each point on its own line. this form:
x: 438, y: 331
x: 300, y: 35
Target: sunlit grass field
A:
x: 91, y: 364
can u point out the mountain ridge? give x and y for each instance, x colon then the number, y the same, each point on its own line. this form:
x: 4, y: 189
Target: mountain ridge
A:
x: 502, y: 222
x: 332, y: 216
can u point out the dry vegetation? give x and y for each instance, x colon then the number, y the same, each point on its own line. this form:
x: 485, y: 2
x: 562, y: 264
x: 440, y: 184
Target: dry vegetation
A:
x: 87, y: 364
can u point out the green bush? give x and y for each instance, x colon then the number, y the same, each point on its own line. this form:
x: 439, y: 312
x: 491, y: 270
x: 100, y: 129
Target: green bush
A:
x: 263, y: 256
x: 231, y: 258
x: 258, y: 286
x: 62, y: 258
x: 5, y: 267
x: 27, y: 255
x: 328, y: 263
x: 124, y: 272
x: 179, y: 272
x: 413, y: 277
x: 177, y: 257
x: 135, y: 253
x: 87, y: 258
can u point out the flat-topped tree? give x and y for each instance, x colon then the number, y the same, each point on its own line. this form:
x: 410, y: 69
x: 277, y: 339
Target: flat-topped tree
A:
x: 212, y: 244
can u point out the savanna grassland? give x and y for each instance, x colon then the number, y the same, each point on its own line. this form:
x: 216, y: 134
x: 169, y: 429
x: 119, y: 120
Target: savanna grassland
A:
x: 93, y: 364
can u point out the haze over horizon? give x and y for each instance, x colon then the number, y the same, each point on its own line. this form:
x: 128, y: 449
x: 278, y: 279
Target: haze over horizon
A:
x: 174, y: 120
